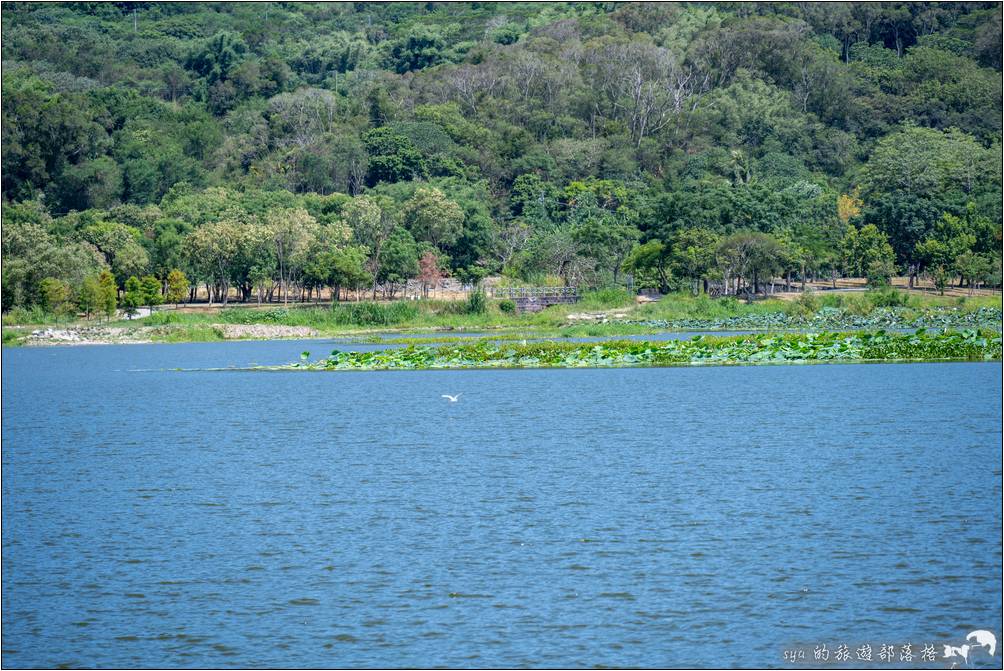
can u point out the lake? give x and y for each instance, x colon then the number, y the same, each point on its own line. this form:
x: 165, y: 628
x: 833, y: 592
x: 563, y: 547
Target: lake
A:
x: 635, y: 517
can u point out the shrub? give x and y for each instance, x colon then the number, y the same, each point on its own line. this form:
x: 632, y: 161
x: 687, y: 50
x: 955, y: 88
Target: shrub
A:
x: 507, y: 306
x: 375, y: 314
x: 887, y: 297
x: 477, y: 303
x: 611, y: 297
x: 858, y: 305
x: 33, y: 315
x: 247, y: 317
x: 879, y: 273
x: 163, y: 318
x: 808, y: 302
x: 832, y: 301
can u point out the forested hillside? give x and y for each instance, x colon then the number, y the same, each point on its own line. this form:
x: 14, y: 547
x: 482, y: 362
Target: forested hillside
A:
x: 262, y: 148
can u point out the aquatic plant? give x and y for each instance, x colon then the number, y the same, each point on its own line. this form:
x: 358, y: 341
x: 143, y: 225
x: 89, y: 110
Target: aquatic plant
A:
x: 836, y: 319
x: 969, y: 345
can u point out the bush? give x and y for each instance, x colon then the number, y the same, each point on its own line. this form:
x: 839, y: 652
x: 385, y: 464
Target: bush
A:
x: 858, y: 305
x: 507, y: 306
x: 33, y: 315
x: 612, y: 297
x: 11, y: 338
x: 832, y: 301
x: 728, y: 303
x: 163, y: 318
x: 808, y: 302
x: 477, y: 303
x: 887, y: 297
x: 375, y: 314
x: 247, y: 317
x: 344, y: 314
x: 879, y: 273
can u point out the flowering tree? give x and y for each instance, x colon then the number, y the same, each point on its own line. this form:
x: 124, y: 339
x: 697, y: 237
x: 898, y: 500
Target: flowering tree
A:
x: 428, y: 271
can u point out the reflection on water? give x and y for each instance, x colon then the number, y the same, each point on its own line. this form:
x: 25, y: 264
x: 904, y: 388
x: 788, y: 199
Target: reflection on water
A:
x: 633, y: 517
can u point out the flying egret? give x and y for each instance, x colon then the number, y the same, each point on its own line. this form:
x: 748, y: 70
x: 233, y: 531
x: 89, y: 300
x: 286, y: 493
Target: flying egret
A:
x: 984, y: 639
x: 453, y: 399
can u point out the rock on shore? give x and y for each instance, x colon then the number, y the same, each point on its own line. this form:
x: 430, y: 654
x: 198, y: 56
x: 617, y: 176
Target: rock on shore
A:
x: 264, y: 331
x: 109, y: 335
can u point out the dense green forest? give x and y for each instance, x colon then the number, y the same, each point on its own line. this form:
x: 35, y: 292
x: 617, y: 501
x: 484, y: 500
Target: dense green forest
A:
x: 267, y: 149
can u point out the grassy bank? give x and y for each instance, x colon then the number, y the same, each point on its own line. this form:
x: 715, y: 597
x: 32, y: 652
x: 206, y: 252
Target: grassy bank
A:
x: 606, y: 313
x: 854, y: 347
x: 676, y: 311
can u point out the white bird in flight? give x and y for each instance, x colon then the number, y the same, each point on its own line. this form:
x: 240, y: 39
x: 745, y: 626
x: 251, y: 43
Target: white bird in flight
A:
x: 984, y: 639
x: 453, y: 399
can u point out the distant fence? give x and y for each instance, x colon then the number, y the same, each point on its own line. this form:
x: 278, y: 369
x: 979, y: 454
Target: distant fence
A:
x: 535, y: 299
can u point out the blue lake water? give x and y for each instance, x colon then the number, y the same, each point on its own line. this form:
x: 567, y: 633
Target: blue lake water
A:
x: 635, y: 517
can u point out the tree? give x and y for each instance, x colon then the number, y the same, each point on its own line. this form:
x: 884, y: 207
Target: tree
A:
x: 120, y: 246
x: 607, y: 239
x: 692, y: 254
x: 291, y: 231
x: 218, y: 56
x: 150, y: 287
x: 848, y: 207
x: 392, y: 157
x: 371, y: 225
x: 917, y: 174
x: 177, y: 286
x: 867, y: 252
x: 650, y: 260
x: 55, y: 295
x: 750, y: 257
x: 399, y: 260
x: 109, y: 293
x: 606, y: 234
x: 940, y: 277
x: 430, y: 216
x: 421, y: 48
x: 973, y: 268
x: 949, y: 239
x: 89, y: 297
x: 348, y: 268
x: 211, y: 251
x: 133, y: 297
x: 880, y: 271
x: 92, y: 184
x: 429, y: 271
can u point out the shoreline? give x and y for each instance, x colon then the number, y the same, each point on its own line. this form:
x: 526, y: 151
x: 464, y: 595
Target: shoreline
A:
x: 671, y: 314
x: 148, y: 335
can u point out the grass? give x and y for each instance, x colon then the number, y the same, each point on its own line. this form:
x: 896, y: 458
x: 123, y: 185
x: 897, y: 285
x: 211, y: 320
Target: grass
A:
x: 679, y: 311
x: 188, y: 333
x: 36, y: 316
x: 11, y: 338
